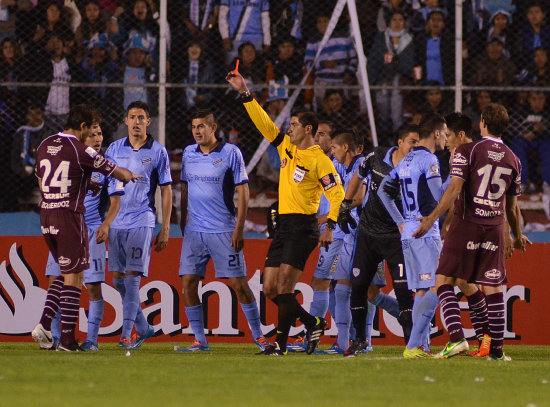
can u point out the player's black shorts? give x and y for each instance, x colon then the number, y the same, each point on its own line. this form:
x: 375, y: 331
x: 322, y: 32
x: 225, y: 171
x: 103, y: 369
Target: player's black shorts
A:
x: 294, y: 241
x: 371, y: 250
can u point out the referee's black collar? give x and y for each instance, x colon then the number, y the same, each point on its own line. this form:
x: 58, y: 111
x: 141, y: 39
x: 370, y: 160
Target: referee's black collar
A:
x: 215, y: 150
x: 148, y: 143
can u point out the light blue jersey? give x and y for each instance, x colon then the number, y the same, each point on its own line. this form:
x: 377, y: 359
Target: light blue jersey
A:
x: 244, y: 19
x: 137, y: 206
x: 346, y: 175
x: 211, y: 180
x: 420, y: 180
x: 95, y: 203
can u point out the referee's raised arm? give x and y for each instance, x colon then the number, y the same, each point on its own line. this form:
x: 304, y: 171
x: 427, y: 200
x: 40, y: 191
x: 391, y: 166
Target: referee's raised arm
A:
x: 257, y: 114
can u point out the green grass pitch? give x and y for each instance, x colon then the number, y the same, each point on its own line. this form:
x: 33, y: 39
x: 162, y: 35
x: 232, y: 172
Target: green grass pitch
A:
x: 232, y: 375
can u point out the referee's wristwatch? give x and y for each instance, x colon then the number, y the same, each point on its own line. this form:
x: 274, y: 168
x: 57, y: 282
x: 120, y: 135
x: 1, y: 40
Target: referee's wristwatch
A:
x: 331, y: 224
x: 246, y: 96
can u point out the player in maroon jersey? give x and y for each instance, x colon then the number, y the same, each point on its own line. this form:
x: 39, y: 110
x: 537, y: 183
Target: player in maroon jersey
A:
x: 486, y: 174
x: 63, y: 168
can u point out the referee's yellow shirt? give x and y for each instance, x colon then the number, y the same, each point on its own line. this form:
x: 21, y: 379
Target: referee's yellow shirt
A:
x: 304, y: 175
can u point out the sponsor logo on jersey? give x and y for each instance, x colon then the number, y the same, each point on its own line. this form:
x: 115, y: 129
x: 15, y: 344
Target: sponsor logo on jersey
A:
x: 434, y: 170
x: 96, y: 177
x: 283, y: 162
x: 49, y: 230
x: 63, y: 261
x: 91, y: 152
x: 356, y: 271
x: 217, y: 162
x: 496, y: 156
x: 54, y: 150
x: 424, y: 277
x: 487, y: 245
x: 57, y: 140
x: 459, y: 159
x: 328, y: 181
x: 299, y: 175
x: 493, y: 274
x: 146, y: 160
x: 488, y: 202
x: 99, y: 161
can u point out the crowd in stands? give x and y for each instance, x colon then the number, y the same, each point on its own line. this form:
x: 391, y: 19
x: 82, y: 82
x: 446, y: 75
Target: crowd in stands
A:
x: 407, y: 42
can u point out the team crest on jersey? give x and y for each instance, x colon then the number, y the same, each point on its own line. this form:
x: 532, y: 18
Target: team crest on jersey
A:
x: 96, y: 177
x: 495, y: 156
x: 54, y: 150
x: 146, y: 160
x: 356, y: 271
x: 99, y: 161
x: 284, y: 162
x: 299, y: 175
x: 434, y: 170
x: 459, y: 159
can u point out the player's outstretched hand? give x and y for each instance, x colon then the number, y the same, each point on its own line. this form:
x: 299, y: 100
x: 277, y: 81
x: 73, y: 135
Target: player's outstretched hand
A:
x: 522, y: 242
x: 391, y: 188
x: 162, y: 239
x: 236, y: 81
x: 94, y: 187
x: 326, y: 238
x: 237, y: 239
x: 426, y: 223
x: 345, y: 218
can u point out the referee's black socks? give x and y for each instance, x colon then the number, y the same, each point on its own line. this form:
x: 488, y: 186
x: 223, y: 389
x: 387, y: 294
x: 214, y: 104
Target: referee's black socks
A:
x: 287, y: 315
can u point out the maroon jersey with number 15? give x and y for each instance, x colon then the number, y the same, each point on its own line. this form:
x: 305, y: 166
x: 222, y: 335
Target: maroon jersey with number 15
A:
x: 64, y: 166
x: 490, y: 171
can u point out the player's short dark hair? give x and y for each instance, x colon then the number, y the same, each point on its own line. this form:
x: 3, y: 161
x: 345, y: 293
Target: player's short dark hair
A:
x: 245, y: 44
x: 138, y: 104
x: 347, y: 136
x: 538, y: 4
x: 207, y: 114
x: 407, y: 129
x: 330, y: 124
x: 496, y: 118
x: 79, y: 114
x: 97, y: 116
x: 430, y: 123
x: 308, y: 119
x: 458, y: 122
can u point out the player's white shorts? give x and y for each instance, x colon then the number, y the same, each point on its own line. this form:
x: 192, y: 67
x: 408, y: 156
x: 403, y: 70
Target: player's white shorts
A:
x: 421, y: 259
x: 96, y: 272
x: 130, y: 250
x: 328, y: 260
x: 199, y: 247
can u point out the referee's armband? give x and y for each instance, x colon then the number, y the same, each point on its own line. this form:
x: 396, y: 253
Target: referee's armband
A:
x: 328, y: 181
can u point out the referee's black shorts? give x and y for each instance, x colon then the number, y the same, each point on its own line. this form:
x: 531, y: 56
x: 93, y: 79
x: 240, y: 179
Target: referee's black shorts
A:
x: 294, y: 241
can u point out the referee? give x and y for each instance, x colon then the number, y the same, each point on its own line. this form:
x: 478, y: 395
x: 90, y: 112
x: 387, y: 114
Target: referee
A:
x: 306, y: 173
x: 378, y: 238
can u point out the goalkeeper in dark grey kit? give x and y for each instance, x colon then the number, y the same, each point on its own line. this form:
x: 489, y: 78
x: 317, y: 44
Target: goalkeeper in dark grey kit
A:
x: 378, y: 238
